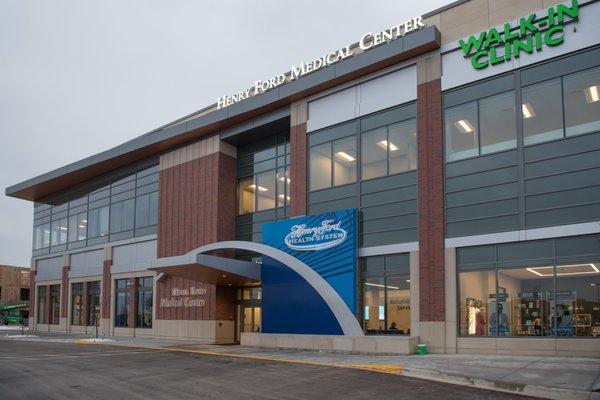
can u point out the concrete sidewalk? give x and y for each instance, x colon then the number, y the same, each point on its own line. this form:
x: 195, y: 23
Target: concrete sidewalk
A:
x: 547, y: 377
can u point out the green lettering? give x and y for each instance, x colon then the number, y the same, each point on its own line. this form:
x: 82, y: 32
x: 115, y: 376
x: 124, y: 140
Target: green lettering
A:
x: 493, y: 37
x: 495, y: 59
x: 471, y: 43
x: 508, y: 36
x: 477, y: 60
x: 507, y: 51
x: 519, y: 45
x: 538, y: 41
x: 526, y: 24
x: 572, y: 11
x: 554, y: 41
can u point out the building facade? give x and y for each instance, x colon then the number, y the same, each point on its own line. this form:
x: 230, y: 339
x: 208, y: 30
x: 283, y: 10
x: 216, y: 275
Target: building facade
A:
x: 467, y: 142
x: 14, y: 285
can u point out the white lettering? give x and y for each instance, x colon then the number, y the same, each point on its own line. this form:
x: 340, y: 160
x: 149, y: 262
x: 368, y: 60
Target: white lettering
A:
x: 364, y: 44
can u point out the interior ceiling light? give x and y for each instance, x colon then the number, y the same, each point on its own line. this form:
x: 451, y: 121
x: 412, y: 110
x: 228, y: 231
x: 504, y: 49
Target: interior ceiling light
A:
x: 464, y: 126
x: 345, y: 156
x: 281, y: 196
x: 592, y: 94
x: 381, y: 286
x: 565, y: 270
x: 260, y: 188
x: 282, y: 179
x: 384, y: 145
x: 527, y: 110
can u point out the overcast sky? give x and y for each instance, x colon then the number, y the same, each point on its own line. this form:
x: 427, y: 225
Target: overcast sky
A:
x: 78, y: 77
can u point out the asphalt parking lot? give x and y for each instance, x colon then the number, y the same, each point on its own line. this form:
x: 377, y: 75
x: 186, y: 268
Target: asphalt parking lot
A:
x: 43, y: 370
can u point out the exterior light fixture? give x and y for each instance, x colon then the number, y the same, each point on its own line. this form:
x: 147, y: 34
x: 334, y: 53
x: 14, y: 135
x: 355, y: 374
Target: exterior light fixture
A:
x: 464, y: 126
x: 527, y: 110
x: 345, y: 156
x: 384, y: 144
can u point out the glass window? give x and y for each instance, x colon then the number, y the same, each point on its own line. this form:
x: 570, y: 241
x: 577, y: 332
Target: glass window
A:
x: 93, y: 303
x: 251, y: 293
x: 98, y: 222
x: 144, y: 306
x: 497, y: 123
x: 523, y: 307
x: 59, y: 232
x: 344, y: 161
x: 283, y: 187
x: 320, y: 166
x: 41, y: 305
x: 122, y: 216
x: 461, y: 131
x: 582, y: 102
x: 122, y: 297
x: 41, y: 236
x: 477, y: 294
x: 246, y: 195
x: 397, y: 282
x: 146, y: 210
x: 542, y: 112
x: 374, y: 147
x: 77, y: 227
x: 77, y: 304
x: 374, y: 294
x: 54, y: 304
x: 402, y: 146
x: 265, y: 190
x: 578, y: 299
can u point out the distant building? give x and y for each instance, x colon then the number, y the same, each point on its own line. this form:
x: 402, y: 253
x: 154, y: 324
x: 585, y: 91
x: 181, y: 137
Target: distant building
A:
x: 14, y: 284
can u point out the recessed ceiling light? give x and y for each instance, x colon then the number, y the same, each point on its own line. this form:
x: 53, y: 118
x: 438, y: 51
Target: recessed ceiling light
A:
x: 345, y: 156
x: 381, y: 286
x: 527, y: 110
x: 260, y: 188
x: 384, y: 145
x: 592, y: 94
x: 464, y: 126
x: 223, y: 276
x: 563, y: 270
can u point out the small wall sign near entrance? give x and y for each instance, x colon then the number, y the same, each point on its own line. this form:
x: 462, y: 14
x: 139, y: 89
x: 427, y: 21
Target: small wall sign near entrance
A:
x: 496, y: 46
x: 192, y: 297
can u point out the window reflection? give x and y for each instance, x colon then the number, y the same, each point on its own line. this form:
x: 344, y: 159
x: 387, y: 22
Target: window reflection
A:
x: 582, y: 102
x: 497, y: 123
x: 402, y: 146
x: 461, y: 131
x: 477, y: 292
x: 374, y: 148
x: 344, y: 161
x: 542, y: 119
x: 265, y: 190
x: 320, y: 166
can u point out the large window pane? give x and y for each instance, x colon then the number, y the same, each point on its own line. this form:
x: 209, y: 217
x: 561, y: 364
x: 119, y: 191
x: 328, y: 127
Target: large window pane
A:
x: 402, y: 146
x: 77, y: 227
x: 246, y: 195
x: 461, y: 131
x: 54, y: 304
x: 524, y: 301
x: 320, y: 166
x: 497, y: 123
x: 265, y: 190
x: 98, y: 222
x: 542, y: 112
x: 122, y: 216
x: 477, y: 294
x: 144, y: 305
x: 142, y: 210
x: 283, y: 179
x: 41, y: 305
x: 122, y: 303
x: 397, y: 298
x: 578, y: 299
x: 59, y: 231
x: 344, y: 161
x: 374, y: 147
x: 374, y: 294
x: 582, y: 102
x: 93, y: 303
x: 77, y: 304
x: 153, y: 209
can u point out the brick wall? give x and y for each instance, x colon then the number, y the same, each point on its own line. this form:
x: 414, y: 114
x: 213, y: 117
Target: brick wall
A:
x: 64, y: 293
x: 164, y: 290
x: 298, y: 174
x: 105, y: 292
x: 431, y: 201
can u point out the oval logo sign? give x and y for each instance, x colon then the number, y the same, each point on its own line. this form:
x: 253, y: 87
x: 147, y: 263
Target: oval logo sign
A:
x: 325, y: 236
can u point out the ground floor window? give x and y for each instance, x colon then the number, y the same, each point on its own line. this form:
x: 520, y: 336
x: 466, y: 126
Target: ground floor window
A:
x: 540, y: 288
x: 93, y: 299
x: 122, y: 296
x: 41, y: 305
x: 386, y: 294
x: 144, y: 302
x: 54, y: 304
x: 77, y: 304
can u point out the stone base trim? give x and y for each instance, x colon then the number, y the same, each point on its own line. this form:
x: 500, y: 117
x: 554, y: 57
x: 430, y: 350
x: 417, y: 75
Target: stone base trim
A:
x: 572, y: 347
x: 400, y: 345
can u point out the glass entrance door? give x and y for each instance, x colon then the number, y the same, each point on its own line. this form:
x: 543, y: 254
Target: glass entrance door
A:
x: 248, y: 310
x: 250, y: 319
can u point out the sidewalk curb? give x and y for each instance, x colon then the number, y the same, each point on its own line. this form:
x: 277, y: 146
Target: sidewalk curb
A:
x: 502, y: 386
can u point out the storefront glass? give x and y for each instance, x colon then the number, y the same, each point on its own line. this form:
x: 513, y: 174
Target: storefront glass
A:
x: 54, y: 304
x: 478, y: 291
x: 122, y: 296
x: 144, y: 304
x: 41, y: 304
x: 77, y: 304
x: 93, y: 303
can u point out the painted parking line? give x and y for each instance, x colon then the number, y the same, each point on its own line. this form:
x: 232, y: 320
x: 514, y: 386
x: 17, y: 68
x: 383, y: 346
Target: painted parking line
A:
x: 41, y: 357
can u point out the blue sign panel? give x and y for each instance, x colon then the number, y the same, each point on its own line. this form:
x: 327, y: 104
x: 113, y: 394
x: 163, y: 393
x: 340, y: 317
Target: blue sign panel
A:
x: 327, y: 244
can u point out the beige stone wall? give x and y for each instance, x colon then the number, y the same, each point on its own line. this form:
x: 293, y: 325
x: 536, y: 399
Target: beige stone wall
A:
x: 12, y: 279
x: 477, y: 15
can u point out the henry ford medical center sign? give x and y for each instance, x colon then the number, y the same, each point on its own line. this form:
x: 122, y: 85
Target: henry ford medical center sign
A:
x: 367, y: 41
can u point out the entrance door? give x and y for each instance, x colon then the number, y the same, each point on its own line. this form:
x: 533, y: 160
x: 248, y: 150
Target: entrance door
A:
x: 249, y: 315
x: 250, y: 319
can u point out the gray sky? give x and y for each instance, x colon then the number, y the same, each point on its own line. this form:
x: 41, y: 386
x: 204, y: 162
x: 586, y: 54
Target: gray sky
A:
x: 78, y: 77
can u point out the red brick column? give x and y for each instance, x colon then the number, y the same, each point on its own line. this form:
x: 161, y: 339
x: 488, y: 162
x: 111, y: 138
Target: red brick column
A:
x: 64, y: 293
x: 298, y: 170
x: 105, y: 292
x: 431, y: 201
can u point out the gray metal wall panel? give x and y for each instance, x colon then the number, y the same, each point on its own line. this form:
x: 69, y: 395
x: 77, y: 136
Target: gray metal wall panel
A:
x: 316, y: 208
x: 334, y: 193
x: 391, y: 237
x: 85, y: 264
x: 576, y: 145
x: 482, y: 195
x: 474, y: 165
x: 389, y: 196
x: 482, y: 210
x: 564, y: 164
x: 48, y: 269
x: 134, y: 257
x: 482, y: 226
x: 566, y: 181
x: 482, y: 179
x: 563, y: 216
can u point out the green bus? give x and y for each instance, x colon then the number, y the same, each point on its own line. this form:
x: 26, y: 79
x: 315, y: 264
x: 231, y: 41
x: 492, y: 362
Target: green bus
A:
x: 13, y: 314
